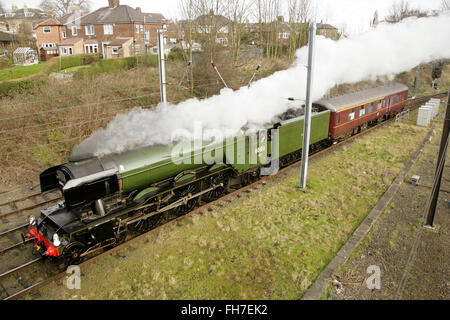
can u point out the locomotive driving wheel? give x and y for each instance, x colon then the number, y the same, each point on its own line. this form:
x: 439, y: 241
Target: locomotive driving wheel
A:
x: 188, y: 205
x: 219, y: 191
x: 146, y: 224
x: 72, y: 253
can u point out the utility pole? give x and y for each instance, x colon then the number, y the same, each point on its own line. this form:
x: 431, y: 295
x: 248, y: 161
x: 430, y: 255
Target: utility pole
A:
x: 308, y: 107
x: 432, y: 202
x: 416, y: 80
x: 162, y: 66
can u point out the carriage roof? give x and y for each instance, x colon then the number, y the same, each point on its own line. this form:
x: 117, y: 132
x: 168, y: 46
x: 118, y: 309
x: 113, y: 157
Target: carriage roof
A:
x: 339, y: 103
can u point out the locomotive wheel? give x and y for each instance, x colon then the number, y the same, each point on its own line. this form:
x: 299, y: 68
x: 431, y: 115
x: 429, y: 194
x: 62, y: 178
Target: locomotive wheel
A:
x: 191, y: 204
x: 219, y: 191
x: 72, y: 253
x: 147, y: 224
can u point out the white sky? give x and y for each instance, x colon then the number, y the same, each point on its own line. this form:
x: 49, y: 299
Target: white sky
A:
x: 355, y: 15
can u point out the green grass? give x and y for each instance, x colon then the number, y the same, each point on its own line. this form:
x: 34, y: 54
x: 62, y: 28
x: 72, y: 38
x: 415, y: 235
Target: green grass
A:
x: 21, y: 71
x: 258, y: 247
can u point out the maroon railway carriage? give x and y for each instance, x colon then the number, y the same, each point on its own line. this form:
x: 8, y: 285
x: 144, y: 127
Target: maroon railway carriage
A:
x: 353, y: 112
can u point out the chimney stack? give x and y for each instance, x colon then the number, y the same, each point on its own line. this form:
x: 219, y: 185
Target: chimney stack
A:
x: 114, y: 3
x: 138, y: 9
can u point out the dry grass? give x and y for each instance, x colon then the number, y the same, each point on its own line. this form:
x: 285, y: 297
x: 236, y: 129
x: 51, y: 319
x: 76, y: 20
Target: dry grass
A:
x: 271, y: 244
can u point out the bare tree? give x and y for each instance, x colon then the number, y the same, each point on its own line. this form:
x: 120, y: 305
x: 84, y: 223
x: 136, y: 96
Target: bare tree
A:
x: 189, y: 12
x: 299, y: 18
x: 237, y: 12
x: 401, y: 10
x: 445, y: 5
x: 61, y: 7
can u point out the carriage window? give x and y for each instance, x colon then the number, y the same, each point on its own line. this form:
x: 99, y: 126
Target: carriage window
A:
x: 362, y: 111
x: 351, y: 115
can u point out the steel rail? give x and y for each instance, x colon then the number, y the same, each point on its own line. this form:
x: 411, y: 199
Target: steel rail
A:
x: 29, y: 207
x: 15, y: 246
x: 23, y: 266
x: 4, y: 233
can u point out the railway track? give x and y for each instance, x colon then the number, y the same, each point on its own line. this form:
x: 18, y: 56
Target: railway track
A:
x: 26, y: 203
x: 412, y: 105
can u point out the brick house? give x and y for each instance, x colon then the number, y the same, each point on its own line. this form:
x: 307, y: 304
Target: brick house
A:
x: 103, y: 31
x: 212, y: 27
x: 49, y: 33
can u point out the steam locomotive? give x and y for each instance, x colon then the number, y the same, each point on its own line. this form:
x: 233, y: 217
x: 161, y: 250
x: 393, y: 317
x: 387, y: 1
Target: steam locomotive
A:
x: 107, y: 198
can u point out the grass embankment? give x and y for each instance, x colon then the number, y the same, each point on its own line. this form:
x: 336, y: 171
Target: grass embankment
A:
x: 391, y: 240
x: 271, y: 244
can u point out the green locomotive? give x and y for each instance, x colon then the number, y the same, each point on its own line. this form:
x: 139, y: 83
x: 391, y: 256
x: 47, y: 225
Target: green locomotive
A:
x: 106, y: 197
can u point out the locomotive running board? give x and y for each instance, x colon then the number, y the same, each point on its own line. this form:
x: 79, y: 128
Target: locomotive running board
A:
x: 177, y: 203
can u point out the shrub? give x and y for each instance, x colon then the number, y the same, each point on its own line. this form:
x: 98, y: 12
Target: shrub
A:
x: 9, y: 87
x: 115, y: 65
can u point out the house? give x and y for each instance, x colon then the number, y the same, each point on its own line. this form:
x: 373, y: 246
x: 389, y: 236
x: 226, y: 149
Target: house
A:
x: 10, y: 20
x: 102, y: 31
x: 284, y: 29
x: 99, y: 28
x: 49, y: 33
x: 212, y: 27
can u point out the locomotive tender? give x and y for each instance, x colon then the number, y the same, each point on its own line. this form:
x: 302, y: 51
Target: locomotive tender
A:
x: 106, y: 197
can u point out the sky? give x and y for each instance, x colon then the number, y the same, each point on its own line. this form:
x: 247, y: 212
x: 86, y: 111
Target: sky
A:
x: 353, y: 15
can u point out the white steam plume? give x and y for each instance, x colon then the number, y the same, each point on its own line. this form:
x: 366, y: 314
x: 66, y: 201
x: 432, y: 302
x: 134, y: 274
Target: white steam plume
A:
x: 387, y: 50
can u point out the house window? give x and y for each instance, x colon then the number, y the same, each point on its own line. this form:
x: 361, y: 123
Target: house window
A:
x: 90, y: 30
x: 351, y: 115
x: 115, y: 50
x: 108, y: 29
x: 47, y: 29
x: 173, y: 40
x: 147, y: 35
x: 222, y: 41
x: 91, y: 48
x: 64, y: 34
x: 29, y: 14
x: 285, y: 35
x: 48, y: 45
x: 137, y: 29
x: 223, y: 29
x: 74, y: 31
x: 142, y: 28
